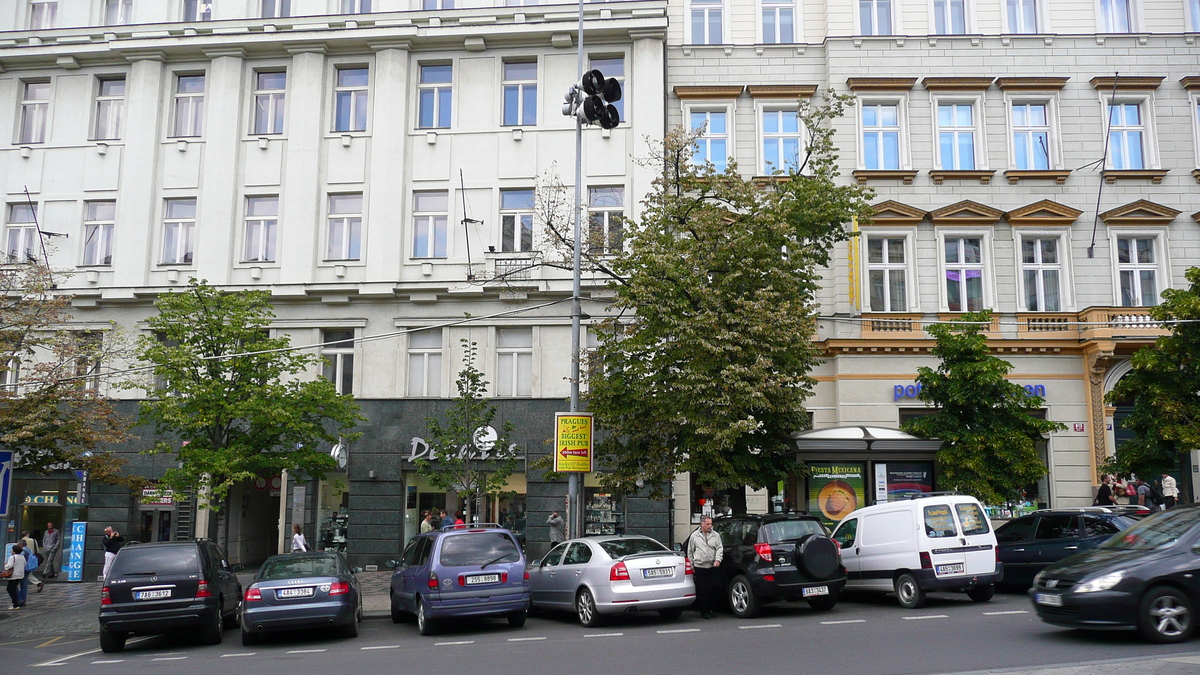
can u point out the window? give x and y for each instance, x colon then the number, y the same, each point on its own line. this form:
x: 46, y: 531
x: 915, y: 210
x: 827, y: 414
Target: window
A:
x: 262, y: 219
x: 1041, y: 272
x: 1095, y: 526
x: 875, y: 17
x: 434, y: 96
x: 707, y: 16
x: 99, y: 219
x: 1194, y: 15
x: 22, y: 243
x: 110, y: 109
x: 1022, y: 16
x: 345, y: 227
x: 269, y: 92
x: 197, y: 10
x: 189, y: 106
x: 881, y: 136
x: 606, y: 219
x: 956, y: 136
x: 118, y: 12
x: 949, y: 17
x: 713, y: 145
x: 10, y: 375
x: 939, y: 522
x: 356, y: 6
x: 1020, y: 529
x: 178, y: 227
x: 778, y: 21
x: 520, y: 93
x: 425, y: 362
x: 429, y: 224
x: 1137, y: 267
x: 1057, y: 527
x: 887, y: 273
x: 43, y: 14
x: 579, y: 554
x: 614, y: 67
x: 35, y: 104
x: 846, y: 532
x: 350, y: 99
x: 780, y: 141
x: 1115, y: 16
x: 516, y: 220
x: 90, y: 345
x: 429, y: 5
x: 971, y: 517
x: 964, y: 274
x: 272, y: 9
x: 514, y: 362
x: 1126, y: 136
x: 337, y: 349
x: 1031, y: 136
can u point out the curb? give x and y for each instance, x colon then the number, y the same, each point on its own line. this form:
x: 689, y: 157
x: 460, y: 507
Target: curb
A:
x: 1141, y: 660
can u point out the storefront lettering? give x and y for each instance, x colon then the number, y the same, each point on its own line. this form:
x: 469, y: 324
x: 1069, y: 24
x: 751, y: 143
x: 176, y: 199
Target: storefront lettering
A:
x: 49, y: 499
x: 420, y: 450
x: 901, y: 391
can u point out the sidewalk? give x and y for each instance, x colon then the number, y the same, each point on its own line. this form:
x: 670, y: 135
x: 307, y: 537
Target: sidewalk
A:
x: 1182, y: 663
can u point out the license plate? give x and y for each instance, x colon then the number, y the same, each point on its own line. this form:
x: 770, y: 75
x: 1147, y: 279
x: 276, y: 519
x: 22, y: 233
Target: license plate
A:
x: 152, y: 595
x: 1049, y: 599
x: 815, y: 591
x: 483, y: 579
x: 951, y: 568
x: 305, y: 592
x: 658, y: 572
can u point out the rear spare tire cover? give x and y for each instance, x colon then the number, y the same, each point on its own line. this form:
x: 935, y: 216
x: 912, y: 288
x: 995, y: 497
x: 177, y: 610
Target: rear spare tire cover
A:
x: 817, y: 557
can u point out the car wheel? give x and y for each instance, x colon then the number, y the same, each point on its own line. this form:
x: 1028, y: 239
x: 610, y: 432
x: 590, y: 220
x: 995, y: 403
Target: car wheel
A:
x: 211, y: 634
x: 398, y: 616
x: 358, y: 616
x: 982, y: 593
x: 671, y: 613
x: 741, y: 598
x: 585, y: 607
x: 424, y: 623
x: 909, y: 592
x: 824, y: 603
x: 516, y: 619
x: 234, y: 620
x: 112, y: 642
x: 1166, y: 615
x: 250, y: 638
x: 350, y: 630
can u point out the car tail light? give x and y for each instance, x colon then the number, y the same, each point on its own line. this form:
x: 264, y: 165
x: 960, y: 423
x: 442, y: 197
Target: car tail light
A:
x: 105, y: 598
x: 462, y: 580
x: 926, y: 563
x: 997, y: 555
x: 619, y: 572
x: 526, y: 575
x: 202, y: 590
x: 252, y: 594
x: 768, y: 577
x: 339, y: 587
x: 433, y: 581
x: 687, y: 567
x: 763, y: 551
x: 504, y: 577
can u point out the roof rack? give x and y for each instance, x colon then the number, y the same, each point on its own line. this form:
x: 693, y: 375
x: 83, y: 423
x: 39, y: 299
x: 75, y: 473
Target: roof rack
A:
x: 472, y: 526
x: 923, y: 495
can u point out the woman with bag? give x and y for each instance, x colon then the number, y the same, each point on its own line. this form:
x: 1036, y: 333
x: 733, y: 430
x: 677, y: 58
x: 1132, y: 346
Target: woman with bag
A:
x: 14, y: 572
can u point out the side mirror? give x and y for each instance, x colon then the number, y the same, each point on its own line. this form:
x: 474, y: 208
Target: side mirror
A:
x: 356, y: 570
x: 391, y: 564
x: 237, y: 567
x: 677, y: 547
x: 1196, y: 549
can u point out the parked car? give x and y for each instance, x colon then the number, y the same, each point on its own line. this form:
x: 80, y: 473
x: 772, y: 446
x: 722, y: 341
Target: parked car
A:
x: 778, y: 557
x: 166, y: 587
x: 930, y: 542
x: 1030, y: 543
x: 468, y: 571
x: 594, y: 577
x: 294, y: 591
x: 1146, y: 577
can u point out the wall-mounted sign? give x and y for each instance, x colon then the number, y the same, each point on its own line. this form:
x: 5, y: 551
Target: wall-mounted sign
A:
x: 903, y: 391
x: 74, y: 553
x: 835, y: 490
x: 1079, y: 427
x: 419, y: 449
x: 573, y: 442
x: 156, y: 497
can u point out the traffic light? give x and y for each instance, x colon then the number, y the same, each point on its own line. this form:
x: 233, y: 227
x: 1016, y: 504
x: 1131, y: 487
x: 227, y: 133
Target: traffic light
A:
x: 591, y: 100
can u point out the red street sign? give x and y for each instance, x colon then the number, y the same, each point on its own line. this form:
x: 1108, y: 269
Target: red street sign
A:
x: 573, y: 452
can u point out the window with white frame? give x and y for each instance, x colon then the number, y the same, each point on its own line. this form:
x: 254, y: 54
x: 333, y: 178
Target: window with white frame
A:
x: 35, y: 108
x: 434, y: 96
x: 1196, y: 125
x: 10, y: 375
x: 99, y: 220
x: 887, y: 273
x: 43, y: 14
x: 429, y: 5
x: 707, y: 17
x: 337, y: 350
x: 778, y: 21
x: 514, y: 362
x: 713, y: 146
x: 272, y: 9
x: 1138, y: 270
x: 270, y: 90
x: 430, y: 211
x: 963, y: 266
x: 90, y: 346
x: 356, y: 6
x: 262, y: 221
x: 179, y: 225
x: 1126, y: 136
x: 956, y: 136
x: 425, y: 363
x: 1022, y: 16
x: 881, y: 136
x: 197, y: 10
x: 520, y: 93
x: 189, y: 106
x: 110, y: 109
x: 1042, y: 273
x: 1031, y: 129
x: 350, y: 99
x: 345, y: 227
x: 949, y: 17
x: 614, y: 67
x: 875, y: 17
x: 606, y: 220
x: 516, y: 220
x: 1116, y: 16
x: 780, y: 140
x: 21, y: 235
x: 1194, y: 15
x: 118, y: 12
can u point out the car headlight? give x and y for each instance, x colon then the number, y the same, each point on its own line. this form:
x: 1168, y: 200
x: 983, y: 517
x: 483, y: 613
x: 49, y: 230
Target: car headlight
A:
x: 1102, y: 583
x: 1038, y: 578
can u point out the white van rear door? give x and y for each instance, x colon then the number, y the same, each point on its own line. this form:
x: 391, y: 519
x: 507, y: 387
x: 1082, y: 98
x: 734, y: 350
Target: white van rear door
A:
x: 979, y: 542
x: 943, y: 541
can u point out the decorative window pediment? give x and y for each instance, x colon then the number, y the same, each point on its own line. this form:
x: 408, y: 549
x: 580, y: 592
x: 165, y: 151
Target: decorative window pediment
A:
x: 1043, y: 213
x: 1141, y: 212
x: 894, y: 213
x: 966, y: 212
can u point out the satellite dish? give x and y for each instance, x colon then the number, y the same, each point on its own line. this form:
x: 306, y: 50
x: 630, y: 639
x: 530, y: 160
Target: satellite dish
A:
x: 485, y: 438
x: 340, y: 454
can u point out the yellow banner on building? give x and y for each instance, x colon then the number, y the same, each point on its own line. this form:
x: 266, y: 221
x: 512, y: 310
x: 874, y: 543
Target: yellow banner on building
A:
x: 572, y: 442
x: 852, y: 255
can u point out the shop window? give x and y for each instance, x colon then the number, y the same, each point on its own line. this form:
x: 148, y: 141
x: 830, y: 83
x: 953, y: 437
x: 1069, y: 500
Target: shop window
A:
x: 603, y: 513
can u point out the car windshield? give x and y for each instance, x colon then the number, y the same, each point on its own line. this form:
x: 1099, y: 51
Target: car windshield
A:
x: 159, y: 561
x: 1158, y: 530
x: 619, y: 548
x: 297, y: 568
x: 482, y: 548
x: 783, y: 530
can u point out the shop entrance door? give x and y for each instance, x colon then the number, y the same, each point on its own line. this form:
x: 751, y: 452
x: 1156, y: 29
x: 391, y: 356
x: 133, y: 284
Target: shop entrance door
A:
x: 156, y: 525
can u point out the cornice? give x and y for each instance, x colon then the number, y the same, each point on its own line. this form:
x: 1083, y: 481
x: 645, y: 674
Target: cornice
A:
x: 1032, y: 83
x: 1045, y: 212
x: 709, y: 92
x: 966, y: 212
x: 892, y: 212
x: 957, y: 83
x: 782, y: 90
x: 1141, y: 212
x: 1191, y: 82
x: 1127, y: 82
x: 880, y: 83
x: 904, y: 175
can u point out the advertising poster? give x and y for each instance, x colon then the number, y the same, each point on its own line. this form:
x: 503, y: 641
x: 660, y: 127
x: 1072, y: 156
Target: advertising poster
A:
x: 573, y: 447
x: 836, y: 489
x: 905, y: 479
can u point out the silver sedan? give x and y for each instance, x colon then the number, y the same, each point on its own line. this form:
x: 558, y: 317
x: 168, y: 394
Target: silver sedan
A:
x: 595, y: 576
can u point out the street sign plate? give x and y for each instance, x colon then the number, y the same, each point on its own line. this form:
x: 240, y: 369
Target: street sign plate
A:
x: 573, y: 442
x: 6, y: 472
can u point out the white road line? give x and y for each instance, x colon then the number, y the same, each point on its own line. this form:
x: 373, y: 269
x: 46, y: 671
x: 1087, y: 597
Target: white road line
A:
x: 926, y: 616
x: 603, y: 635
x: 305, y: 651
x: 528, y: 639
x: 383, y: 647
x: 169, y: 658
x: 227, y: 656
x: 110, y: 661
x: 761, y: 625
x: 59, y: 660
x: 456, y: 642
x: 1011, y: 611
x: 835, y: 623
x: 679, y: 630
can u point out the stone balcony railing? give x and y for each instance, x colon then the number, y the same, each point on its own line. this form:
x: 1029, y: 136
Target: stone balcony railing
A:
x: 1093, y: 323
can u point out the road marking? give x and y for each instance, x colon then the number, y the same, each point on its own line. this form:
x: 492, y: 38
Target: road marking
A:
x: 383, y: 647
x: 1011, y: 611
x: 760, y: 625
x: 49, y: 642
x: 227, y: 656
x: 305, y: 651
x: 679, y: 630
x: 59, y: 661
x: 169, y: 658
x: 17, y: 642
x: 835, y: 623
x: 603, y: 635
x: 926, y: 616
x: 110, y: 661
x: 456, y: 642
x: 528, y: 639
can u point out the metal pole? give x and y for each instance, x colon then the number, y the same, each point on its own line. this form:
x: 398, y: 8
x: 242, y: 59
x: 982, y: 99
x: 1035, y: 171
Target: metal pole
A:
x: 574, y: 502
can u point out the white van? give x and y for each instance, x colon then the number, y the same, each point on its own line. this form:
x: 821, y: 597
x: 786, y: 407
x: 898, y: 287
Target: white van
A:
x: 913, y: 546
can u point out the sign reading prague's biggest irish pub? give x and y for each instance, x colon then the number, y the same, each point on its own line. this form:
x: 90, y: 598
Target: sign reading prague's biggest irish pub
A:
x: 572, y: 442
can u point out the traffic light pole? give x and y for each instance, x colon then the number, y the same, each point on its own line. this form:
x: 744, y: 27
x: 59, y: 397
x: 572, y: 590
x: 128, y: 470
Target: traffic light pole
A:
x: 574, y: 487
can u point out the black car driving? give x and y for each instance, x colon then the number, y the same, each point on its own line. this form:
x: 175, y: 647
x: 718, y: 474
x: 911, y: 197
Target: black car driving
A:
x: 1030, y: 543
x: 1147, y: 577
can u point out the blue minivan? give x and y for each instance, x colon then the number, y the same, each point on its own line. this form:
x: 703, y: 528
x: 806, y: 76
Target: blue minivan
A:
x: 476, y: 570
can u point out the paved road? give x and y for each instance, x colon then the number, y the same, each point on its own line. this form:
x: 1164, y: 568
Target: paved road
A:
x: 863, y: 634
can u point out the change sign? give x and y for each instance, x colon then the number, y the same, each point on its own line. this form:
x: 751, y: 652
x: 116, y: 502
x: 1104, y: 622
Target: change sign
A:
x: 573, y: 442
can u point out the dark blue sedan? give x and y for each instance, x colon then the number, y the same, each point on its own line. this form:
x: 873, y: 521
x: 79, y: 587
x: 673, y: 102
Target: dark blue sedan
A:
x: 296, y: 591
x: 1030, y: 543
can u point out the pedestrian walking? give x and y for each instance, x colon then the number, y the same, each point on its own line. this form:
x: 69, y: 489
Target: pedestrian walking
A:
x: 426, y: 522
x: 51, y: 542
x: 558, y: 528
x: 112, y: 543
x: 1170, y: 490
x: 705, y: 550
x: 299, y: 543
x: 28, y: 542
x: 1145, y: 495
x: 1104, y: 496
x: 14, y: 572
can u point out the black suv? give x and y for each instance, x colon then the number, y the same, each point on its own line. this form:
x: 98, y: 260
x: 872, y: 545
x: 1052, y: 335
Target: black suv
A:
x: 168, y: 587
x: 774, y: 557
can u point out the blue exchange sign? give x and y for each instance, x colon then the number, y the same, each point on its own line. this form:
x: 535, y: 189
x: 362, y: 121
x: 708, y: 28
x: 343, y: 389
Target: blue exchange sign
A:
x: 75, y: 551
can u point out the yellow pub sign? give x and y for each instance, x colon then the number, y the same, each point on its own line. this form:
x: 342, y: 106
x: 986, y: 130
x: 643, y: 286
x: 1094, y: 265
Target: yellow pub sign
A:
x: 572, y: 442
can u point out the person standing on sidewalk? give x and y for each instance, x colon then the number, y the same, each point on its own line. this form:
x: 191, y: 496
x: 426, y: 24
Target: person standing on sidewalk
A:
x: 51, y: 542
x: 16, y: 563
x: 1170, y: 490
x: 112, y: 542
x: 426, y: 522
x: 558, y: 528
x: 705, y: 550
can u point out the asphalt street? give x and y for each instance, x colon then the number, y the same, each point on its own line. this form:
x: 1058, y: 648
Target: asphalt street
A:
x: 863, y: 634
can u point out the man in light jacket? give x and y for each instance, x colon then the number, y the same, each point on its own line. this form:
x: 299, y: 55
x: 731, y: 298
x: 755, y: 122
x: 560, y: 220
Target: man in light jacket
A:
x: 558, y: 528
x: 1170, y: 491
x: 705, y: 550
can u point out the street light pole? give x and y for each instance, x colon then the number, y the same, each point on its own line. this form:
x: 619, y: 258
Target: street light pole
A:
x: 574, y: 502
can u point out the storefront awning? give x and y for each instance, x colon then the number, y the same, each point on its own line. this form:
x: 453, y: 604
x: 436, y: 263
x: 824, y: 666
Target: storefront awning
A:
x: 862, y: 442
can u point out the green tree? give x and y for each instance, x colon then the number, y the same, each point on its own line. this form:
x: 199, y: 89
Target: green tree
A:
x: 462, y: 456
x: 1165, y: 388
x: 704, y: 368
x: 228, y: 400
x: 985, y: 422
